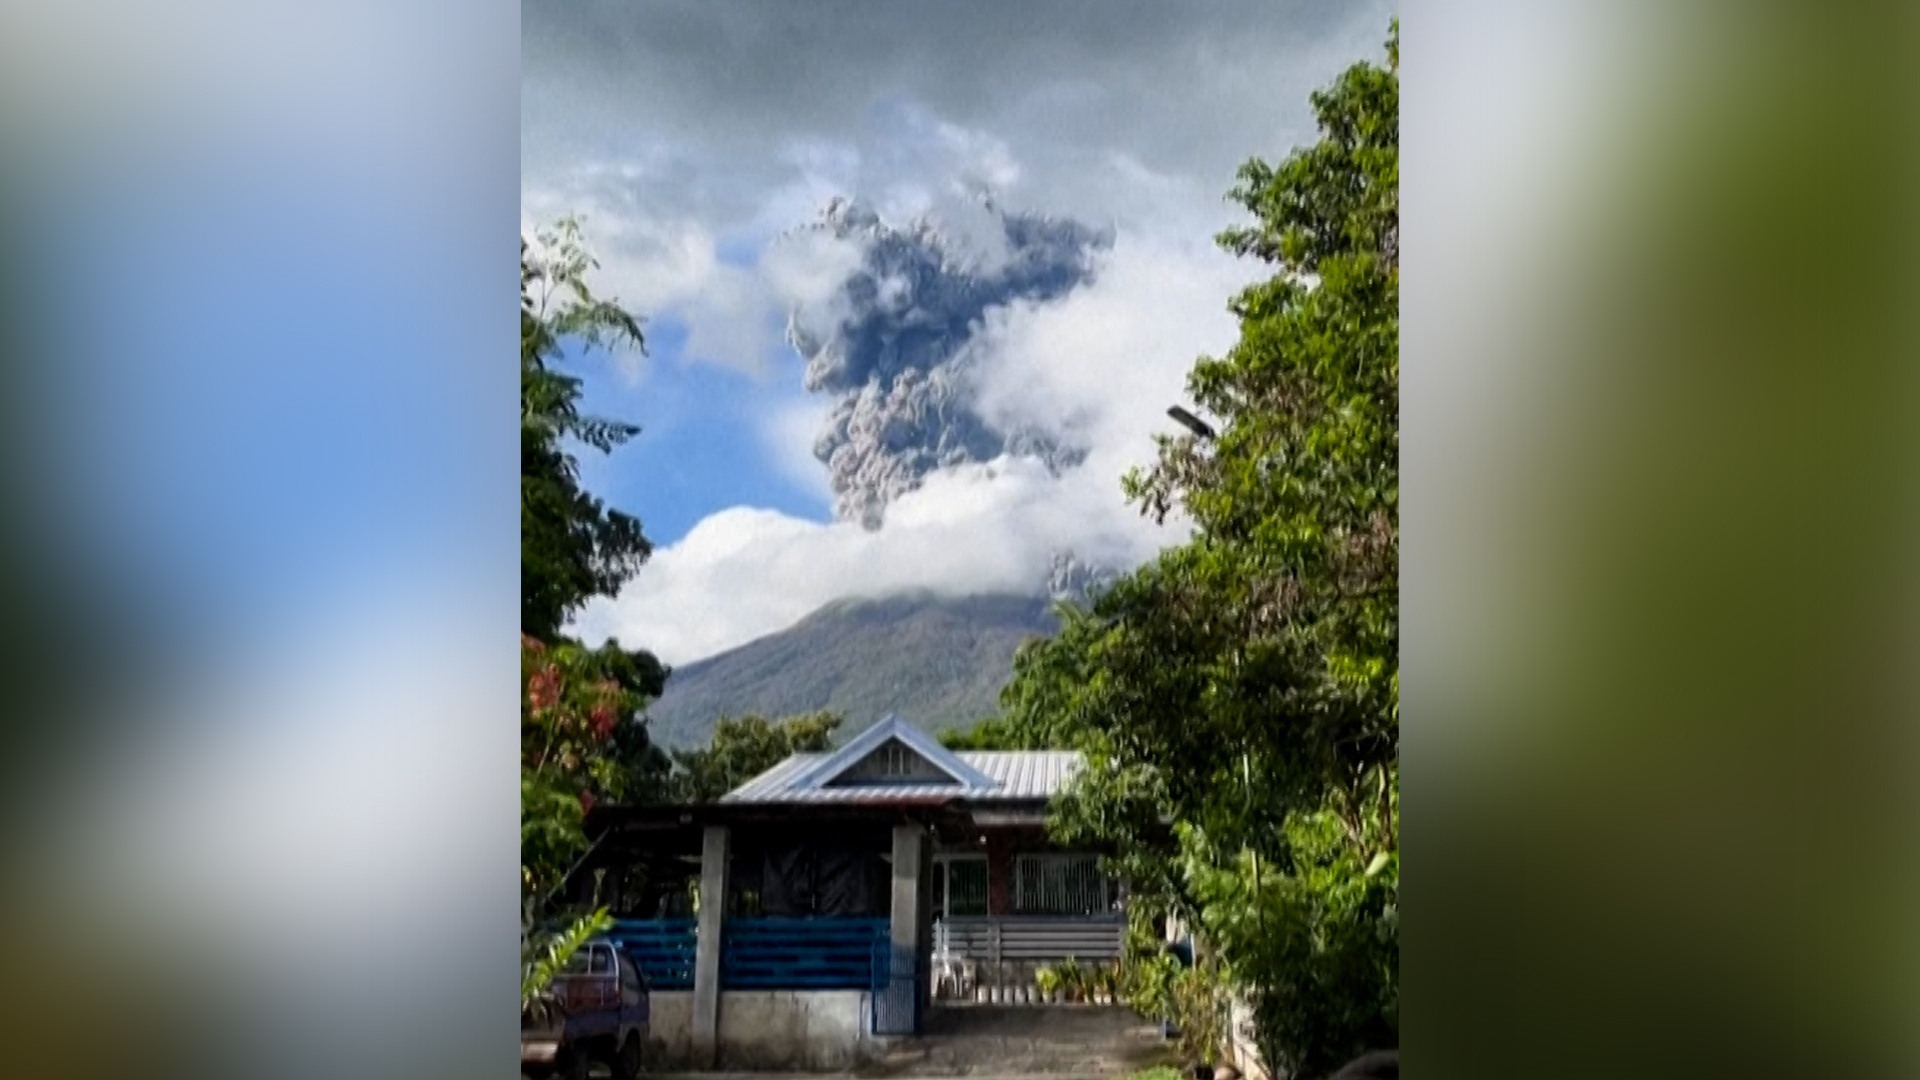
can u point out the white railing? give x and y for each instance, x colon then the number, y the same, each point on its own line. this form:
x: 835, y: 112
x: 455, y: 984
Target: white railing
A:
x: 1020, y: 938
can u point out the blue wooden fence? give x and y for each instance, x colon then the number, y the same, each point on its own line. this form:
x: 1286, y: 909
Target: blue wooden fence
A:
x: 664, y: 949
x: 804, y: 954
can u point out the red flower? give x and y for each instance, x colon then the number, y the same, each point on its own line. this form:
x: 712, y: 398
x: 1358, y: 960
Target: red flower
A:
x: 586, y: 802
x: 543, y: 688
x: 603, y: 717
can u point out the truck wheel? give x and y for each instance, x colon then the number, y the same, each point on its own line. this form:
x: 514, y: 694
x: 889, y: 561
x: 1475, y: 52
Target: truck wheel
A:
x: 573, y: 1063
x: 631, y: 1059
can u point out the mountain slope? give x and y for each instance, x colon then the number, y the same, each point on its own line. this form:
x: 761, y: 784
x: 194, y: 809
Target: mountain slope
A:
x: 936, y: 661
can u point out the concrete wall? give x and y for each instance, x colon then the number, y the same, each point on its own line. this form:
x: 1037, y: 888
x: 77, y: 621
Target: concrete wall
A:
x: 670, y: 1028
x: 1241, y: 1051
x: 802, y: 1031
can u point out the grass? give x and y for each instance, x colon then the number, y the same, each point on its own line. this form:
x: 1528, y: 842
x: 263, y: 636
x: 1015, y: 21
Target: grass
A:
x: 1162, y: 1072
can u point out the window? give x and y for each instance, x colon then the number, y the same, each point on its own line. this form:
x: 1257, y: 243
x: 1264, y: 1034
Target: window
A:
x: 591, y: 960
x: 959, y: 886
x: 1056, y: 884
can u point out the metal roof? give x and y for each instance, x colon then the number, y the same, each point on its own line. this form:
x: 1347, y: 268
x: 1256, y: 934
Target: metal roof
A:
x: 996, y: 776
x: 1025, y: 774
x: 891, y: 729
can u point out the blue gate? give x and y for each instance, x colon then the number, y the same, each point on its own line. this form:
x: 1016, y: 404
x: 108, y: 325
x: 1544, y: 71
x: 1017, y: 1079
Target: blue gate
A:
x: 896, y: 989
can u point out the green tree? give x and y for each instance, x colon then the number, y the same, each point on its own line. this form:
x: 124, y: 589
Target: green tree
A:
x: 583, y: 736
x: 566, y: 718
x: 992, y: 733
x: 1246, y: 684
x: 744, y: 747
x: 572, y: 546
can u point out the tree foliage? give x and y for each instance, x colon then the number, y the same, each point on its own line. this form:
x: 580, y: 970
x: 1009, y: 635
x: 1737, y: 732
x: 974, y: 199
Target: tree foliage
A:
x: 582, y: 734
x: 544, y: 956
x: 1246, y: 684
x: 992, y: 733
x: 746, y: 746
x: 572, y: 546
x: 1315, y: 938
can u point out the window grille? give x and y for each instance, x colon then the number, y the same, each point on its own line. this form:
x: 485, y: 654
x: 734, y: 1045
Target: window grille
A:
x: 1057, y: 884
x: 967, y: 887
x: 959, y: 885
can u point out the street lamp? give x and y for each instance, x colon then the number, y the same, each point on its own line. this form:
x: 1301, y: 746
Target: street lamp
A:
x: 1191, y: 422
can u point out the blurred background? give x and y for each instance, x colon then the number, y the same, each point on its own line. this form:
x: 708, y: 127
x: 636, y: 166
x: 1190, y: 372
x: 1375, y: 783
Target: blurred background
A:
x: 1659, y: 520
x: 259, y: 586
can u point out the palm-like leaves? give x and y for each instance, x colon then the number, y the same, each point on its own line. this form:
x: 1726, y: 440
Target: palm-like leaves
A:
x: 545, y: 955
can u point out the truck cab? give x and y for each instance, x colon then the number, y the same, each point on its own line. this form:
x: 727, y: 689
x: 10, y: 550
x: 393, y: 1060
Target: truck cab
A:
x: 601, y: 1013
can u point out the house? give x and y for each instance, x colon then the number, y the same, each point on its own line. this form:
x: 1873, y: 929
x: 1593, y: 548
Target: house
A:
x: 856, y: 883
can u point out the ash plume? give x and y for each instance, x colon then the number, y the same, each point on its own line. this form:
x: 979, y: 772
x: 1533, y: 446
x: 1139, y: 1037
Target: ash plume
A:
x: 892, y: 354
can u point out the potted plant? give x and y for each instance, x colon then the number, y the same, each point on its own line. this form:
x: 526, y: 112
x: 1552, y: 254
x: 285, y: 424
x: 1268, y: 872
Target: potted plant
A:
x: 1047, y: 979
x: 1072, y: 980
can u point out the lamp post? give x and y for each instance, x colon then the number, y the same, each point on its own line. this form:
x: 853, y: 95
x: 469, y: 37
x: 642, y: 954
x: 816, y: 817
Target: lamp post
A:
x: 1192, y: 423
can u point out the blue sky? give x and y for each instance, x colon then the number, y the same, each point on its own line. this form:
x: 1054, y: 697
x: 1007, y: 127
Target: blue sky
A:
x: 700, y: 448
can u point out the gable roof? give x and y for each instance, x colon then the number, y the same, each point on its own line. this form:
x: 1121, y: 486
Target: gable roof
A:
x: 891, y: 729
x: 982, y: 776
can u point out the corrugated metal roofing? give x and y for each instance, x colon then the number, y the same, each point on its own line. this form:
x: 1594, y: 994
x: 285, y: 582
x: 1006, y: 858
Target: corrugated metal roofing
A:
x: 1025, y: 774
x: 1017, y: 775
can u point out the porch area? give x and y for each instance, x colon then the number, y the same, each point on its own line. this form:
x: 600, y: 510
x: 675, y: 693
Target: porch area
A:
x: 771, y: 944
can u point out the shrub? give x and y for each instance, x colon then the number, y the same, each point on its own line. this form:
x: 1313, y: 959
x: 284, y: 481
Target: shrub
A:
x: 1200, y: 1014
x: 1314, y: 946
x: 1048, y: 980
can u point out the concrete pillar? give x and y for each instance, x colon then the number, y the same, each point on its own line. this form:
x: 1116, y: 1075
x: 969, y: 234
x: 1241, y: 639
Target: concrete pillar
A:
x: 912, y: 908
x: 925, y: 896
x: 714, y: 858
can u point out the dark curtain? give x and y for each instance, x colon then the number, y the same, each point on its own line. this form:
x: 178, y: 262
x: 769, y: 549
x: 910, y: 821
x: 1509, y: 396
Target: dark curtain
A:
x: 844, y: 885
x: 745, y: 884
x: 786, y: 883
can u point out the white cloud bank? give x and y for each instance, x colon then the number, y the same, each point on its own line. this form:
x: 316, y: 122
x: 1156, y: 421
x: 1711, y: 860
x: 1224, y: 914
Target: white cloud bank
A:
x: 1101, y: 365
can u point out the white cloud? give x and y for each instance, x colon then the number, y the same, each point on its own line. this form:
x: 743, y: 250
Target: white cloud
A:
x: 787, y: 433
x: 743, y: 572
x: 1104, y: 362
x: 1107, y: 359
x: 666, y: 266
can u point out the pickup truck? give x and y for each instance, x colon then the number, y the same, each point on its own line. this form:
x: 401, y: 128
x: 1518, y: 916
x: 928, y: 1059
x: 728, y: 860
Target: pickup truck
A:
x: 601, y: 1011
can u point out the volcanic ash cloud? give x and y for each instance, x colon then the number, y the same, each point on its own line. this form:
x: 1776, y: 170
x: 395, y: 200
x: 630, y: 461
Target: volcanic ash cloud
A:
x: 892, y: 352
